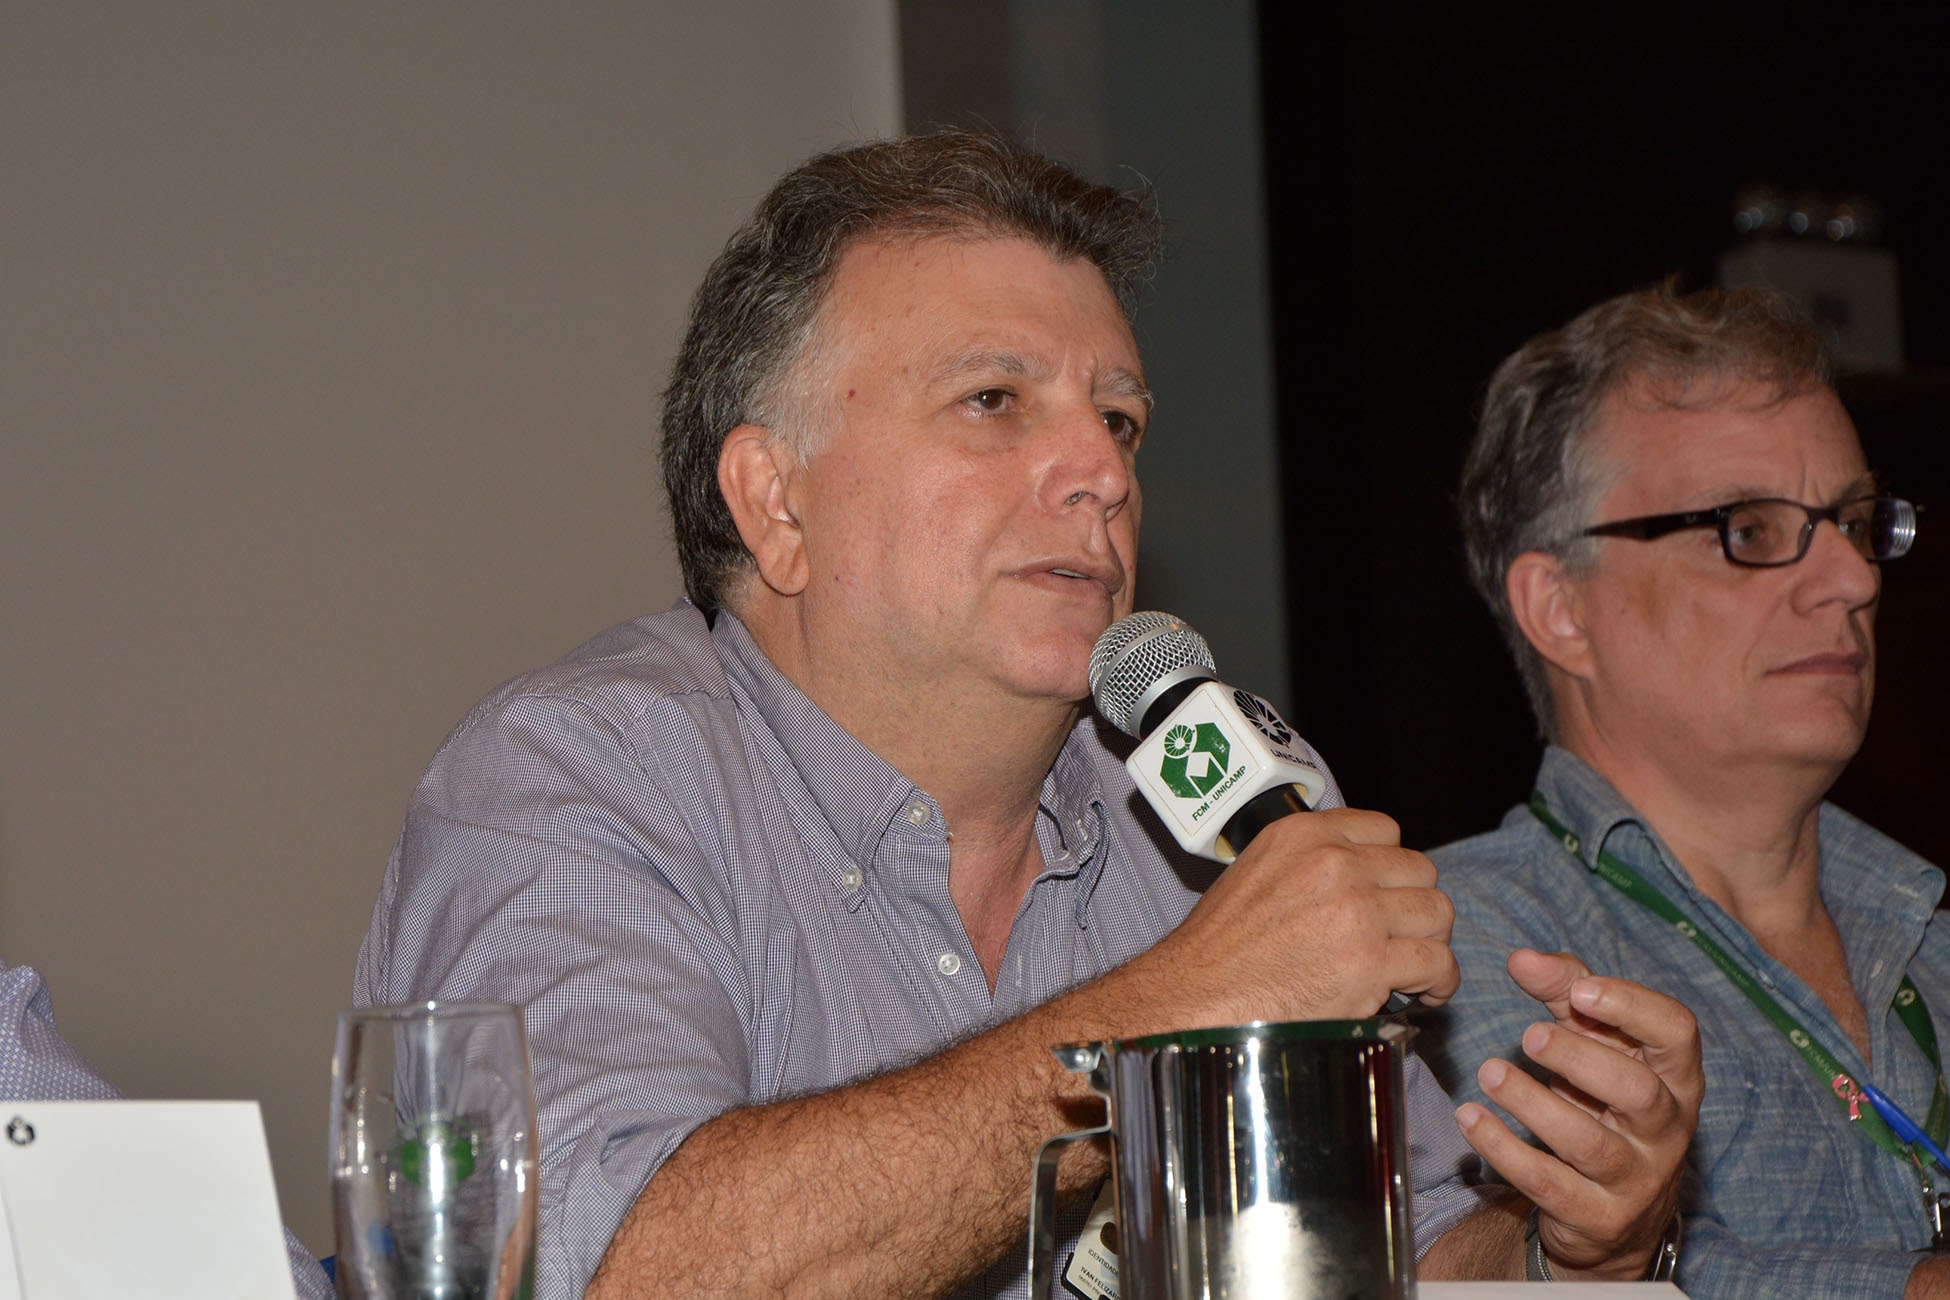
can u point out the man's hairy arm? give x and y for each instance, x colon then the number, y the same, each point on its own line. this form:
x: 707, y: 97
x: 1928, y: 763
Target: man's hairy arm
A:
x: 1930, y: 1281
x: 1488, y: 1244
x: 907, y: 1184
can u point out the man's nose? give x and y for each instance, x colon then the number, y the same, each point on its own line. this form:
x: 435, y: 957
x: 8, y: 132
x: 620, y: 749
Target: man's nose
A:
x: 1089, y: 463
x: 1836, y: 565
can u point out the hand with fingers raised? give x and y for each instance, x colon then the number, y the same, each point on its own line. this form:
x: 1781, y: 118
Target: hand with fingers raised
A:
x: 1616, y: 1118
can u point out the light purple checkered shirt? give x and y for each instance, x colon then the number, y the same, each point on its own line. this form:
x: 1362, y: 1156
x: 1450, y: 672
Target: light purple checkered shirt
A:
x: 706, y: 895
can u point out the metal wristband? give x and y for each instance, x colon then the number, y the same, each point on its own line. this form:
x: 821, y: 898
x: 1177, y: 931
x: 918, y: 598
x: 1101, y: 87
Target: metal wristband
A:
x: 1537, y: 1265
x: 1666, y: 1259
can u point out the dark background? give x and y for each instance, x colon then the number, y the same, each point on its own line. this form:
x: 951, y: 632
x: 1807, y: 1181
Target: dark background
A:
x: 1445, y: 181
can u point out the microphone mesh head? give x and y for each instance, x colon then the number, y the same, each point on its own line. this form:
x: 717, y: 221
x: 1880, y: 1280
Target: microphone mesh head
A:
x: 1134, y: 654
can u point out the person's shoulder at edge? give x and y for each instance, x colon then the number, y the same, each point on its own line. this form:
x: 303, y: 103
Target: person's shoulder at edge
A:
x: 584, y: 732
x: 1849, y: 839
x: 1502, y: 904
x: 621, y: 670
x: 37, y: 1063
x: 632, y: 682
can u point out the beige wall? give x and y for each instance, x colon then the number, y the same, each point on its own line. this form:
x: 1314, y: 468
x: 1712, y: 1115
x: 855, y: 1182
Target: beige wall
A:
x: 330, y: 345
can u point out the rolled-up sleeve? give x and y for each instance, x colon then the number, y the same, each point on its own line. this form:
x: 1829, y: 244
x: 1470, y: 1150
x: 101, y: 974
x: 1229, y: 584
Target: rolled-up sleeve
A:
x: 1446, y: 1172
x: 540, y: 865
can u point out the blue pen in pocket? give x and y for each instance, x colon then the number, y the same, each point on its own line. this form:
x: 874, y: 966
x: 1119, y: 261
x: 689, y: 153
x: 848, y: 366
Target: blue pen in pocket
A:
x: 1903, y: 1126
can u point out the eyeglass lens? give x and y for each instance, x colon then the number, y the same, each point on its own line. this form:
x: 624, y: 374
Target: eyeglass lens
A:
x: 1778, y: 532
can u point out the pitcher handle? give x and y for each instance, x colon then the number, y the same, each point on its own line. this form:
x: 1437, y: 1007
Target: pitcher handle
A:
x: 1042, y: 1209
x: 1078, y: 1058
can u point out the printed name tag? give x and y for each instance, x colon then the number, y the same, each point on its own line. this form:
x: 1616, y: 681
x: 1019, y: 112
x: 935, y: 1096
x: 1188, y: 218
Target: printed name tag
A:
x: 1092, y: 1273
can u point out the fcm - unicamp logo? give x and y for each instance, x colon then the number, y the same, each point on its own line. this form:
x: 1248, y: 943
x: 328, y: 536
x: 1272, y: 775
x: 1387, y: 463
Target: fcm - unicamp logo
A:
x: 1195, y: 759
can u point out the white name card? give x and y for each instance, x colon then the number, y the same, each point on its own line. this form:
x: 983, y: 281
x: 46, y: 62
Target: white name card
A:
x: 164, y: 1200
x: 1549, y: 1291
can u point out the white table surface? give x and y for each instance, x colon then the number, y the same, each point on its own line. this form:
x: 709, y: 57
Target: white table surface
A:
x: 1548, y: 1291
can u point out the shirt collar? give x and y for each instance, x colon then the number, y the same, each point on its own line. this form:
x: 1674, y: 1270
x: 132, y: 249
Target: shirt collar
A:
x: 1601, y: 820
x: 860, y: 793
x: 1864, y: 871
x: 1861, y: 869
x: 1073, y: 805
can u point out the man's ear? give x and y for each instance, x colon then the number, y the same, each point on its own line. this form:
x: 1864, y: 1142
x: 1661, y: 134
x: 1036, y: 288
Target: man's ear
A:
x: 1544, y: 600
x: 755, y: 473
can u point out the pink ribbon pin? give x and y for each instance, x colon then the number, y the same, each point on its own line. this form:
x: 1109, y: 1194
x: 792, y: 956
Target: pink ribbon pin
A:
x: 1847, y: 1089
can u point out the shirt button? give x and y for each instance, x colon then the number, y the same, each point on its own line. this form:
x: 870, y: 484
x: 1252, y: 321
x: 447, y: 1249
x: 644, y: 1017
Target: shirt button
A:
x: 947, y: 963
x: 851, y: 879
x: 917, y: 813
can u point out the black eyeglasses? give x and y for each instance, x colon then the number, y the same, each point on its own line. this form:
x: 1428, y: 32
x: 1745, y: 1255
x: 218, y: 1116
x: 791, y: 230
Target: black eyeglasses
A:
x: 1770, y: 532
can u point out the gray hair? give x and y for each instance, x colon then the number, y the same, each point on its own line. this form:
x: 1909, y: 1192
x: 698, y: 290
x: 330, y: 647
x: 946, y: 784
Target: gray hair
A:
x: 1530, y: 483
x: 752, y: 325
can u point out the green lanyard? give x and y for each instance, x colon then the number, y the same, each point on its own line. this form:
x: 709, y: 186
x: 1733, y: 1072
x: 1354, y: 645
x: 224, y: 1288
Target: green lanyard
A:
x: 1907, y: 1004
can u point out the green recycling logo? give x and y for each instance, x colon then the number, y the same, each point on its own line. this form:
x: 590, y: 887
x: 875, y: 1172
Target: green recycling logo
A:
x: 1194, y: 763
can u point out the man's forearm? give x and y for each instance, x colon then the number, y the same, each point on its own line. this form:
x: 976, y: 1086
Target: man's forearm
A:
x: 1930, y: 1281
x: 904, y: 1185
x: 1488, y: 1245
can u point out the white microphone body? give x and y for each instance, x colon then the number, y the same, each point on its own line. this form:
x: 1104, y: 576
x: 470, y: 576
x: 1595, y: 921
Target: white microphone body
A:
x: 1218, y: 764
x: 1216, y: 752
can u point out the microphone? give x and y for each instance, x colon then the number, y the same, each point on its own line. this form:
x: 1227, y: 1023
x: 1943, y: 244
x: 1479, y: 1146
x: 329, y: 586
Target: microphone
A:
x: 1216, y: 762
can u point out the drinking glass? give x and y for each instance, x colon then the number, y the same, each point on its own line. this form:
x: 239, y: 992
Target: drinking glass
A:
x: 434, y: 1184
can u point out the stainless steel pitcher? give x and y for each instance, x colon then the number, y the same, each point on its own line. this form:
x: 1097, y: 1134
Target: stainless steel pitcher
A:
x: 1265, y: 1160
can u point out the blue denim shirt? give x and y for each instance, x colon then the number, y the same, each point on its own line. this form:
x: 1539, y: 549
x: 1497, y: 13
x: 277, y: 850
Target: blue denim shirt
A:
x: 1782, y: 1198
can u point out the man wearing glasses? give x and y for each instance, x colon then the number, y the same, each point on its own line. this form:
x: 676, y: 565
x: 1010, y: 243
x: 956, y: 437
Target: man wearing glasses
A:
x: 1670, y: 514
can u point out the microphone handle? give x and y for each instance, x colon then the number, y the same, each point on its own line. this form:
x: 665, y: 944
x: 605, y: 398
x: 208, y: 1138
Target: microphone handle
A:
x: 1167, y: 703
x: 1261, y: 811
